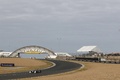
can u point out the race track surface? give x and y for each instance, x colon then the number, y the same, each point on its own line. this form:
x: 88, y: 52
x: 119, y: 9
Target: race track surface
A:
x: 60, y: 67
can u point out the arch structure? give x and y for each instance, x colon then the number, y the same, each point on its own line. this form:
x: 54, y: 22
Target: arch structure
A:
x: 31, y: 50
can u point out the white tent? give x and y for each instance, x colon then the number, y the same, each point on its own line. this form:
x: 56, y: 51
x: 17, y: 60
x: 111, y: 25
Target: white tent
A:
x: 5, y: 54
x: 63, y: 54
x: 59, y: 54
x: 86, y: 49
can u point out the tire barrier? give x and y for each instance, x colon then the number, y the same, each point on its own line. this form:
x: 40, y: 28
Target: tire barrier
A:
x: 7, y: 64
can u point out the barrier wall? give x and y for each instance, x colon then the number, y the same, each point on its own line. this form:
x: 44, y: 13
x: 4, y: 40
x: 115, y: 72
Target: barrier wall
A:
x: 7, y: 64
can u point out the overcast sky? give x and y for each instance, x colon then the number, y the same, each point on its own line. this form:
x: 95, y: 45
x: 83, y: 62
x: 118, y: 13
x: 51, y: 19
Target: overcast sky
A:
x: 60, y: 25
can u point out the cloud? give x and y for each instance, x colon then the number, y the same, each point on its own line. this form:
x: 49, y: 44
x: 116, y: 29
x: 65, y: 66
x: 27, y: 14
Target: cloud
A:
x: 73, y: 20
x: 58, y: 9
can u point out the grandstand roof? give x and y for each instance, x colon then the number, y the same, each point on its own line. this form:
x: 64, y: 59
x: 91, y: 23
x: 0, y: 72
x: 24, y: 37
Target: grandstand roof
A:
x: 89, y: 48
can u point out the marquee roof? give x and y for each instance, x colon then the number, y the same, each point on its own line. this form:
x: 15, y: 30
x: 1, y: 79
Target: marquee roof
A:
x: 89, y: 48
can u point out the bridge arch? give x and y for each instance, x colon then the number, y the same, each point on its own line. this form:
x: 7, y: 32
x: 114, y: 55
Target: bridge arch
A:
x: 33, y: 49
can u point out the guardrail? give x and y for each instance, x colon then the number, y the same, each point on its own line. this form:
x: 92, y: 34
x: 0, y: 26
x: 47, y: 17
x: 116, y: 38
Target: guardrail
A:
x: 95, y: 59
x: 87, y: 59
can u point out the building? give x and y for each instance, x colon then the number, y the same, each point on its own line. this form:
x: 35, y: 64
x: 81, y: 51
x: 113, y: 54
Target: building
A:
x: 60, y: 55
x: 51, y: 56
x: 5, y: 54
x: 89, y: 50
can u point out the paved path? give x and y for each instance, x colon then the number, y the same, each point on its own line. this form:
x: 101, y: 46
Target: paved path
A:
x: 61, y: 67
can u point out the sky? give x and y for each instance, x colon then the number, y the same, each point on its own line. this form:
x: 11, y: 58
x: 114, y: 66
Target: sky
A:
x: 60, y: 25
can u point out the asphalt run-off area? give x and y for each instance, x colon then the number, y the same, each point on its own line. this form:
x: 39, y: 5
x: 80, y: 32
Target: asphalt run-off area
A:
x: 60, y: 67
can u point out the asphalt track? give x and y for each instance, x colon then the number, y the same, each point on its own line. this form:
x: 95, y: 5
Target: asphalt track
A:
x: 60, y: 67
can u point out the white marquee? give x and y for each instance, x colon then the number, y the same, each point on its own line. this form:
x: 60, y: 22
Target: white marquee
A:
x: 89, y: 48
